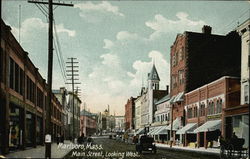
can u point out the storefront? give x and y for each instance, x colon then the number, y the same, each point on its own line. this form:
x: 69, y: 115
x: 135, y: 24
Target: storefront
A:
x: 187, y: 133
x: 240, y: 126
x: 15, y: 127
x: 39, y: 130
x: 212, y: 131
x: 30, y: 129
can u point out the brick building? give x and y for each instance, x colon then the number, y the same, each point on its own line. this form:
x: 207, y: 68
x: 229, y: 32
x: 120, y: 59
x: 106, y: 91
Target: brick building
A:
x: 130, y: 114
x: 88, y: 124
x: 205, y: 111
x: 23, y: 94
x: 198, y: 59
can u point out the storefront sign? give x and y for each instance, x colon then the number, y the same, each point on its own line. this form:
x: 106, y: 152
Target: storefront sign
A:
x: 48, y: 138
x: 217, y: 116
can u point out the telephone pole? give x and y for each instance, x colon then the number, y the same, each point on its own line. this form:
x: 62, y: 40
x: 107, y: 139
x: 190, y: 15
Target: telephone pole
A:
x: 50, y: 70
x: 73, y: 71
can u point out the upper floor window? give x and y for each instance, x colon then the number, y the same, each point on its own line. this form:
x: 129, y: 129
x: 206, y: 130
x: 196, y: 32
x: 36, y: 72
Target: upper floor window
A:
x: 181, y: 76
x: 181, y: 54
x: 202, y: 109
x: 195, y: 112
x: 219, y: 105
x: 189, y: 113
x: 210, y: 108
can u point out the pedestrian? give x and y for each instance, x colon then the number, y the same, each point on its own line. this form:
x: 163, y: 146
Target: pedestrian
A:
x: 62, y: 138
x: 58, y: 138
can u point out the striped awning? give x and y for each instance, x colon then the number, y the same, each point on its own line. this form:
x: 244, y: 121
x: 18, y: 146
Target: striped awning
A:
x: 209, y: 126
x: 189, y: 128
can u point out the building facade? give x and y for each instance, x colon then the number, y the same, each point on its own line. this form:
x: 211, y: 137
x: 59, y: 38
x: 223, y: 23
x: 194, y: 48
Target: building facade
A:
x: 149, y: 96
x: 198, y: 59
x: 73, y: 113
x: 205, y: 112
x: 130, y: 114
x: 23, y: 98
x: 88, y: 123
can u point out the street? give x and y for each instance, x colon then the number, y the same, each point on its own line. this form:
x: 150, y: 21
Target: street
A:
x: 113, y: 149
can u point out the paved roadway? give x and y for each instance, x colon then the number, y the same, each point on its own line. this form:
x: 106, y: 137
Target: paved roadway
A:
x: 113, y: 149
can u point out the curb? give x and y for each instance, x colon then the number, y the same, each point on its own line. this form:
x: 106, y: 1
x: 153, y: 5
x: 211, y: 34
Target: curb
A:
x: 188, y: 150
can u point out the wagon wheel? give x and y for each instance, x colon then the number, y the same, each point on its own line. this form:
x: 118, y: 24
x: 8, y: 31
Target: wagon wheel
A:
x: 231, y: 152
x: 222, y: 152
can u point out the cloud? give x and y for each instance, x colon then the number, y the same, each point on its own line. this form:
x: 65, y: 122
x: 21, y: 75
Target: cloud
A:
x: 108, y: 44
x: 142, y: 68
x: 162, y: 25
x: 125, y: 35
x: 30, y: 26
x: 103, y: 7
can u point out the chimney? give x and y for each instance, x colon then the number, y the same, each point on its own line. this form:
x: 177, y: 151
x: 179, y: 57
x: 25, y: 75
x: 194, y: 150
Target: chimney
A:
x: 167, y: 89
x: 206, y: 29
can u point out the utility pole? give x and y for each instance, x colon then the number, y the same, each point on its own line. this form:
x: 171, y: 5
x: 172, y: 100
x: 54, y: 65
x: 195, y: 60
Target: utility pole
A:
x: 73, y: 69
x: 50, y: 70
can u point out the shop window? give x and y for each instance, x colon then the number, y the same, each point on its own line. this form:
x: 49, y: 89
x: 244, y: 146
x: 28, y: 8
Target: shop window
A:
x: 11, y: 73
x: 246, y: 94
x: 1, y: 64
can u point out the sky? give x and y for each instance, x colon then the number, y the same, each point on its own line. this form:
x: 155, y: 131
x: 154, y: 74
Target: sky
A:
x: 115, y: 42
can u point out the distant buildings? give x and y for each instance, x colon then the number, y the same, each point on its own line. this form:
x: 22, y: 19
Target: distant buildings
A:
x: 130, y: 114
x: 88, y: 123
x: 107, y: 123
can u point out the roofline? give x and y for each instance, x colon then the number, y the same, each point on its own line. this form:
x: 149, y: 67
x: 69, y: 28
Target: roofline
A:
x: 222, y: 78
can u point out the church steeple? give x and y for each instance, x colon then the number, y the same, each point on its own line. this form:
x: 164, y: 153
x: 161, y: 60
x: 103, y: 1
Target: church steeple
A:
x: 153, y: 79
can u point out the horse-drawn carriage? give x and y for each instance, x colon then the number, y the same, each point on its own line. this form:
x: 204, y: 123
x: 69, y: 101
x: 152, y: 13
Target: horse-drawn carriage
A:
x: 233, y: 149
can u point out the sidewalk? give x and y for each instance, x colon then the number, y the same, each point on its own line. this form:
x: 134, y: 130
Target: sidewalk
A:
x: 39, y: 152
x: 201, y: 150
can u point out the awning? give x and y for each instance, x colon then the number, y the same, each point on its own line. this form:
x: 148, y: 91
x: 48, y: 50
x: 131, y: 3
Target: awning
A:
x: 162, y: 131
x: 152, y: 130
x: 176, y: 125
x: 140, y: 131
x: 171, y: 101
x: 189, y: 128
x: 179, y: 97
x: 156, y: 130
x: 209, y: 126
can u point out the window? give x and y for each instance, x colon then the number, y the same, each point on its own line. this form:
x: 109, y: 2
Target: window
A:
x: 174, y: 60
x: 189, y: 113
x: 181, y: 76
x: 181, y: 53
x: 11, y: 73
x: 202, y: 109
x: 210, y: 108
x: 246, y: 95
x: 16, y: 78
x: 219, y: 106
x: 195, y: 111
x: 174, y: 81
x: 21, y: 81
